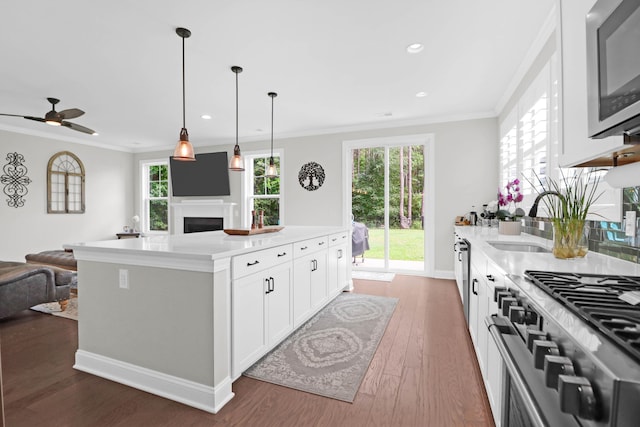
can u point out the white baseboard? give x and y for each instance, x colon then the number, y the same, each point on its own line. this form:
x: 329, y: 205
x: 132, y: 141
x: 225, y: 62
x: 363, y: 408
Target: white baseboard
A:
x: 444, y: 274
x: 210, y: 399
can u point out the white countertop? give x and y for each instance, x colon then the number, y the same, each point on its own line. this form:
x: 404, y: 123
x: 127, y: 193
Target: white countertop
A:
x: 516, y: 263
x: 208, y: 245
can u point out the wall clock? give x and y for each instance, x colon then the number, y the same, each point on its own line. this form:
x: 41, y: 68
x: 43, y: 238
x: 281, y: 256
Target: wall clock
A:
x: 311, y: 176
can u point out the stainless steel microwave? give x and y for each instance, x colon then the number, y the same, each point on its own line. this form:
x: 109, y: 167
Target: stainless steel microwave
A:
x: 613, y: 68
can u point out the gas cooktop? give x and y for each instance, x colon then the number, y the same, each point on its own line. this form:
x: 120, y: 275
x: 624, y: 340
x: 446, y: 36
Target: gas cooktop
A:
x: 608, y: 303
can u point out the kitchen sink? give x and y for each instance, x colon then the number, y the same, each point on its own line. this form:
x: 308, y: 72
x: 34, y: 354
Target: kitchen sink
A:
x: 519, y: 247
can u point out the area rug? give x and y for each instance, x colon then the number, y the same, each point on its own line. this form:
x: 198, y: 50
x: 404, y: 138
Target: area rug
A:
x: 54, y: 308
x: 330, y: 354
x: 372, y: 275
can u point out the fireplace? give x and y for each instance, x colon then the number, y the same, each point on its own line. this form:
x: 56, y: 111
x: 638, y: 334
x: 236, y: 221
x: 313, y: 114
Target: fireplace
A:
x: 199, y: 224
x: 208, y: 210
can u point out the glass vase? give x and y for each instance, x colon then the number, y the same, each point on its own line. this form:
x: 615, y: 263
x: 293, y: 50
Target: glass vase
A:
x: 570, y: 238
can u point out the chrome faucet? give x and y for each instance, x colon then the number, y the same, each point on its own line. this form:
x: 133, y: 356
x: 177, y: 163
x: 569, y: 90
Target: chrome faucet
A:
x: 534, y: 208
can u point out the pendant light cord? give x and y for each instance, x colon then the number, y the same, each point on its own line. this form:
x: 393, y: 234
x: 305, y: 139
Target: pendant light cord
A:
x: 236, y: 109
x: 183, y: 89
x: 272, y: 127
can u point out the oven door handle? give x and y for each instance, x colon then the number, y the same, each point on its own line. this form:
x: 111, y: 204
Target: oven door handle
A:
x: 516, y: 378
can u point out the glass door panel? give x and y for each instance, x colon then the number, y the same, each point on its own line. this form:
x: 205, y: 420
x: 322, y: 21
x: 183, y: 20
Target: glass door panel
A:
x: 406, y: 230
x: 387, y: 201
x: 368, y: 206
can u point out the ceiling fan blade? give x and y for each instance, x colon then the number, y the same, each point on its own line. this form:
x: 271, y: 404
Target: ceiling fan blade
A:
x: 77, y: 127
x: 37, y: 119
x: 71, y: 113
x: 11, y: 115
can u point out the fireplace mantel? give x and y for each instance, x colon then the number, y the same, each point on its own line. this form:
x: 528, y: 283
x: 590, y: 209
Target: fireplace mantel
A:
x: 203, y: 209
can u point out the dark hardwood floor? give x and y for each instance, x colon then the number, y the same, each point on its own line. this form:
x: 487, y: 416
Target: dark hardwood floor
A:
x: 424, y: 373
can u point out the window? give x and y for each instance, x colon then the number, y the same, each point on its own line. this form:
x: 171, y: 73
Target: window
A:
x: 261, y: 192
x: 65, y: 184
x: 155, y: 197
x: 528, y: 142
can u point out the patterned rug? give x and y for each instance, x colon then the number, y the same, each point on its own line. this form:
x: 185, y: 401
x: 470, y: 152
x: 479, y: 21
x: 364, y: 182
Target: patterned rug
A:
x: 330, y: 354
x: 54, y: 308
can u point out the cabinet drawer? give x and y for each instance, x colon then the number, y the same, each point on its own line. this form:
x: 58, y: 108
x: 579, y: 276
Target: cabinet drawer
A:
x: 311, y: 245
x: 338, y: 238
x: 260, y: 260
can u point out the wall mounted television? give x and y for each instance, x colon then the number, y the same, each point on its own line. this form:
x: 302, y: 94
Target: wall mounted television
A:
x: 207, y: 176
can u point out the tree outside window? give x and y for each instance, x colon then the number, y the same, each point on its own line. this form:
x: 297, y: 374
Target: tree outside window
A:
x: 156, y: 196
x: 264, y: 193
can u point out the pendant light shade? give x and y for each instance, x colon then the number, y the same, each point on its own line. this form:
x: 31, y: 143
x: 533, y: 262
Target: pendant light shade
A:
x: 272, y: 171
x: 236, y: 163
x: 184, y: 149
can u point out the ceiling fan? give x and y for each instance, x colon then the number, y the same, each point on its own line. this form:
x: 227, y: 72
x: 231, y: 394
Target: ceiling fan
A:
x: 58, y: 118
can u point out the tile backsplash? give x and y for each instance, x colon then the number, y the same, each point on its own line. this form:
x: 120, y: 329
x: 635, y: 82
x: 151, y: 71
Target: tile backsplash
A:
x: 605, y: 237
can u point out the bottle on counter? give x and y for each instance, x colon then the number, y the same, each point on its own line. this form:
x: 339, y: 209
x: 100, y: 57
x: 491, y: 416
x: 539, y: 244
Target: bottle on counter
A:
x: 253, y: 220
x: 473, y: 216
x: 261, y: 220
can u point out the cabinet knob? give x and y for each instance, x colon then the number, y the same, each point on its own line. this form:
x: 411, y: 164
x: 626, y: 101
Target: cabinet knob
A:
x: 554, y: 366
x: 491, y: 278
x: 576, y: 397
x: 542, y: 349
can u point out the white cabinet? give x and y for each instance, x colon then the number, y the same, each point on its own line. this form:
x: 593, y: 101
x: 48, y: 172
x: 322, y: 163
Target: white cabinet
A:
x: 262, y: 312
x: 576, y: 145
x: 337, y: 262
x: 310, y: 278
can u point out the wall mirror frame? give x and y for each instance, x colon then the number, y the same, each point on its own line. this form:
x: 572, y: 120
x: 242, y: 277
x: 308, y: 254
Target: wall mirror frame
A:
x: 65, y: 184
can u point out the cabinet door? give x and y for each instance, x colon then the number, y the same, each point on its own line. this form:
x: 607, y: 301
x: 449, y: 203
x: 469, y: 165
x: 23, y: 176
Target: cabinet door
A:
x: 493, y: 379
x: 482, y: 331
x: 318, y: 280
x: 279, y: 313
x: 341, y: 269
x: 473, y: 306
x: 301, y: 288
x: 249, y: 335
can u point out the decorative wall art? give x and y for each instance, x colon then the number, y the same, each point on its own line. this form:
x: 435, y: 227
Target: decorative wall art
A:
x: 311, y: 176
x: 15, y: 180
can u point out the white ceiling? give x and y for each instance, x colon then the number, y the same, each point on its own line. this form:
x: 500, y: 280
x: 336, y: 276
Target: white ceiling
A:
x: 336, y: 65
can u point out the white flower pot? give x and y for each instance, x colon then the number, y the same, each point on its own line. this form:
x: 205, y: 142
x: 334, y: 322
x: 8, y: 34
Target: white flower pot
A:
x: 512, y: 228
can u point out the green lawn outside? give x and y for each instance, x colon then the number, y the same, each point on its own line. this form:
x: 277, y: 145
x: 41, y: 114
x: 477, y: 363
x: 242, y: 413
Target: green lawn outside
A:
x: 403, y: 244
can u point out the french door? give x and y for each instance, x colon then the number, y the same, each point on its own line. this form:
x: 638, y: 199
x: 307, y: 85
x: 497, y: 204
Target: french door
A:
x: 388, y: 201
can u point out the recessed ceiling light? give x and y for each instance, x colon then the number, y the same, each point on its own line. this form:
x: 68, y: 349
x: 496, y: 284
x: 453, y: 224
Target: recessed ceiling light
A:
x: 387, y: 114
x: 415, y: 48
x: 206, y: 117
x: 421, y: 94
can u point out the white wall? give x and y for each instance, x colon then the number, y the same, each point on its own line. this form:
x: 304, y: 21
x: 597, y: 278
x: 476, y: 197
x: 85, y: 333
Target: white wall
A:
x: 466, y: 174
x: 108, y: 197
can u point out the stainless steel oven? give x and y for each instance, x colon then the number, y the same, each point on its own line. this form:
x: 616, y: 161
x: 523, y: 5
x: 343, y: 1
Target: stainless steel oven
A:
x: 613, y: 68
x: 526, y: 400
x: 570, y: 344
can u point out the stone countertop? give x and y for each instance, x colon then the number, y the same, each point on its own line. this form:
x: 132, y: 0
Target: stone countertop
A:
x: 208, y: 245
x: 515, y: 263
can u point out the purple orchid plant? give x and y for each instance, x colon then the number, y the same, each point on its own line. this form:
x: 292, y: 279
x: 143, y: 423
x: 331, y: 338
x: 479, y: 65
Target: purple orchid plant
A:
x: 511, y: 196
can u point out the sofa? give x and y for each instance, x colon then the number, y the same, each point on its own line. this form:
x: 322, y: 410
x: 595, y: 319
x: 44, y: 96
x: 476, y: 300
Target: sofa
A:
x: 24, y: 285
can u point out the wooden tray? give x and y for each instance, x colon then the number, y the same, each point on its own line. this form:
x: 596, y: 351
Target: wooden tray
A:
x: 251, y: 232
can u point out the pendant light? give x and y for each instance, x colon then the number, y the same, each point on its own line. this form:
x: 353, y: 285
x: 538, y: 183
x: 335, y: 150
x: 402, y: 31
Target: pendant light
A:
x: 272, y: 171
x: 236, y: 163
x: 184, y: 149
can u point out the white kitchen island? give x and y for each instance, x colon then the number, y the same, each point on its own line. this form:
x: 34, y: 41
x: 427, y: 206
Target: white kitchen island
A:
x: 181, y: 316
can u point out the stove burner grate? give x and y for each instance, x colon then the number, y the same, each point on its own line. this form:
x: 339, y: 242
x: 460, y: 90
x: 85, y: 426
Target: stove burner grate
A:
x: 596, y: 299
